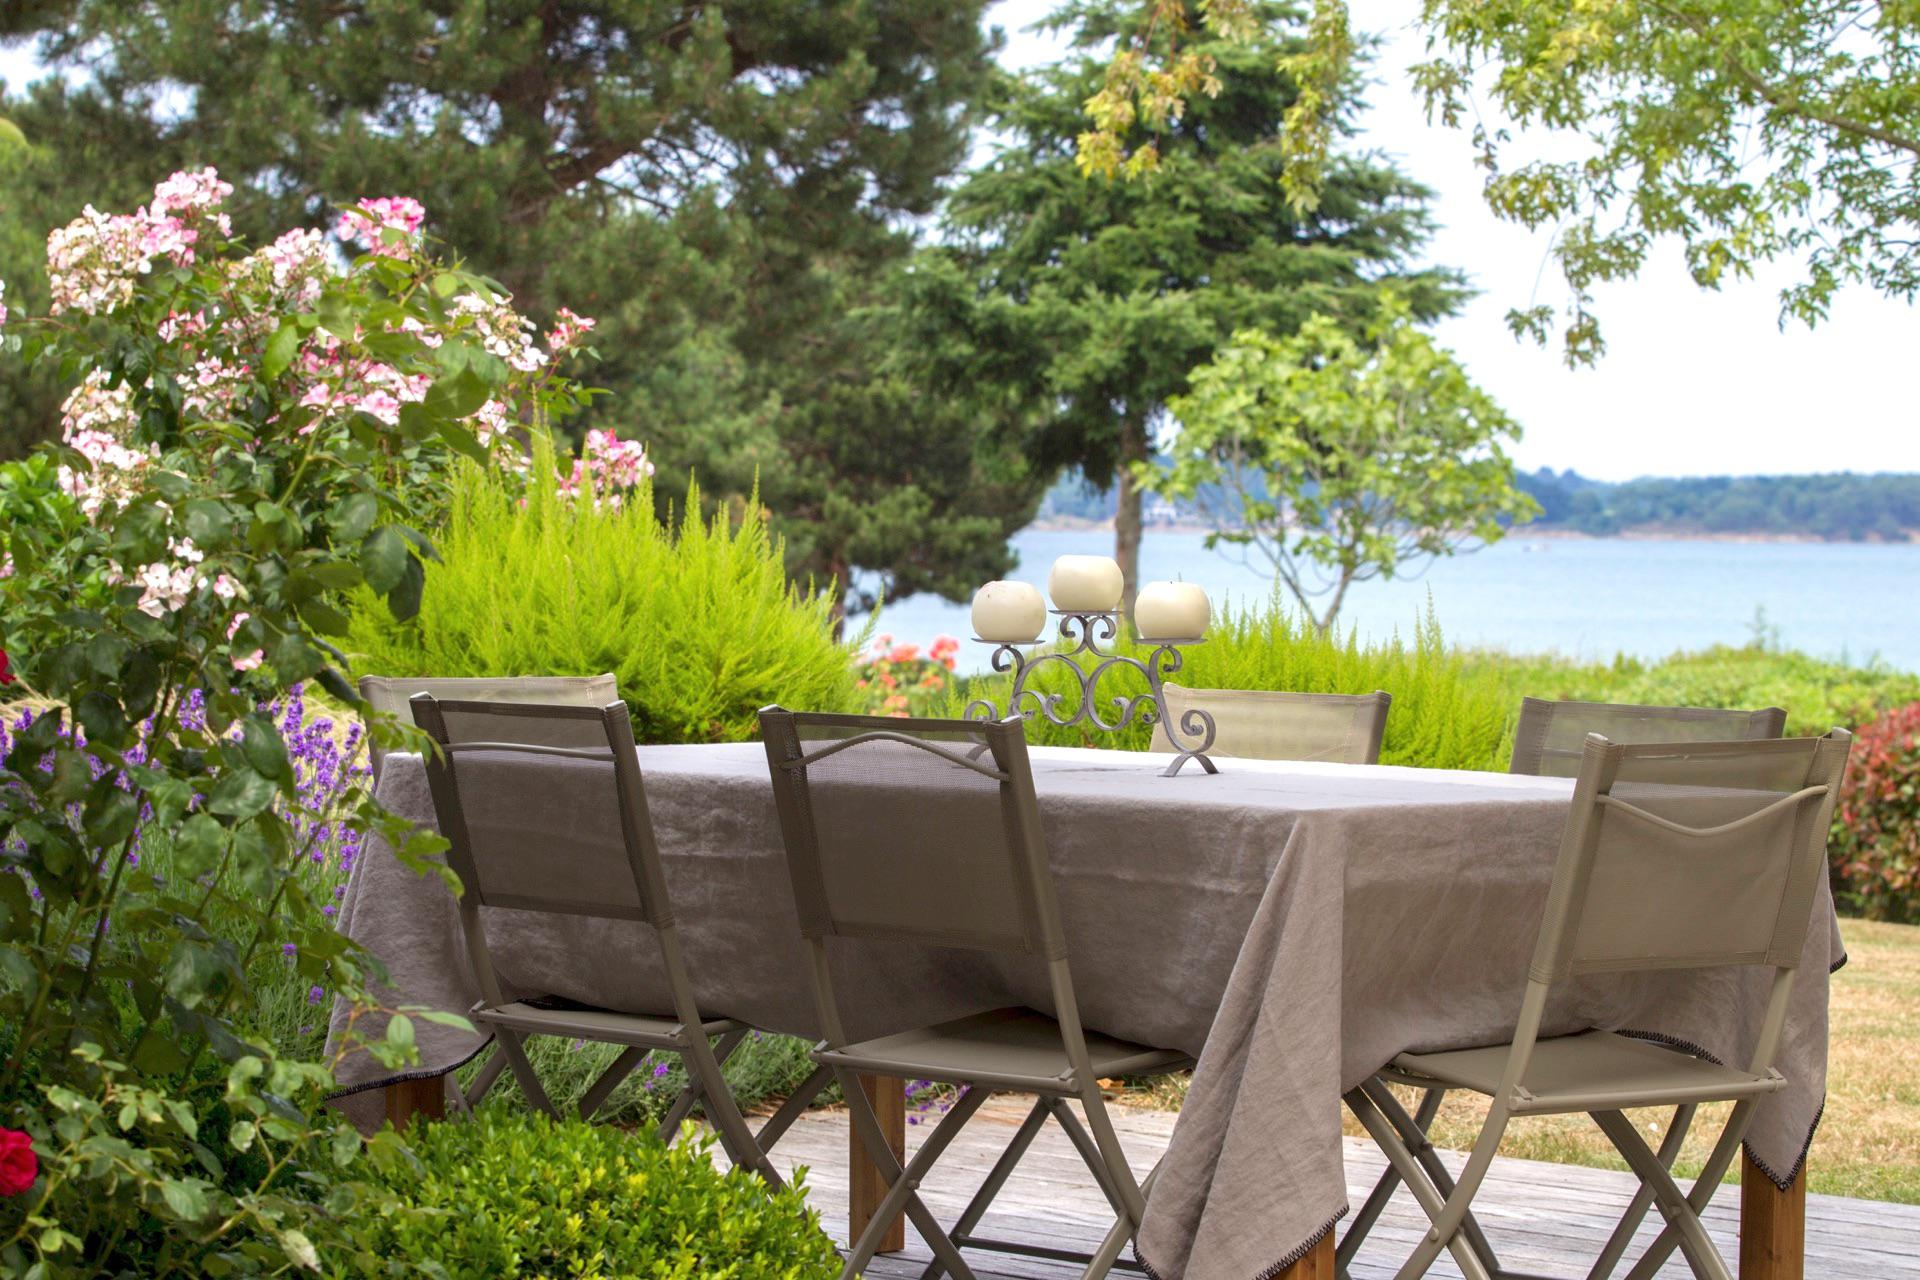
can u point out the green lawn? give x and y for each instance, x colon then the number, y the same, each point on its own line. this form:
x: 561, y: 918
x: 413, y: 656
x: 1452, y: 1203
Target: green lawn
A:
x: 1869, y: 1139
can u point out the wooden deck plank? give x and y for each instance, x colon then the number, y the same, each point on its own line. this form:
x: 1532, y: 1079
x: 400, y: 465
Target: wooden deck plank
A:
x: 1542, y: 1217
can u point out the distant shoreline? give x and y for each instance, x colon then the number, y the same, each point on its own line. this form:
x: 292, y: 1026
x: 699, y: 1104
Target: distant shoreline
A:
x: 1643, y: 533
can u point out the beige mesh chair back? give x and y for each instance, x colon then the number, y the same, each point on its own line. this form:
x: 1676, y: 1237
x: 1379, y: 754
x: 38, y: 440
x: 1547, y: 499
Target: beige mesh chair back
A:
x: 545, y: 811
x: 389, y: 695
x: 928, y: 832
x: 1551, y: 738
x: 1551, y: 741
x: 1683, y: 855
x: 1260, y: 724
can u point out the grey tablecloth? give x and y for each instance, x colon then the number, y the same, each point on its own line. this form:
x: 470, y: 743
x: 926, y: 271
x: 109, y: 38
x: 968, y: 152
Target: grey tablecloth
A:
x: 1293, y: 925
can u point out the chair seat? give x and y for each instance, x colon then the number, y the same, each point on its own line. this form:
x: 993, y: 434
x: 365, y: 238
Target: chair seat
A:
x: 1011, y: 1047
x: 588, y: 1023
x: 1591, y: 1071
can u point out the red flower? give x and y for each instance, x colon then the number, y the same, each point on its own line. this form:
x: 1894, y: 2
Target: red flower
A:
x: 6, y: 668
x: 18, y: 1165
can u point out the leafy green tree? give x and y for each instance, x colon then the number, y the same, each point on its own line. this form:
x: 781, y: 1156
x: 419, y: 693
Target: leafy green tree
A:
x: 1749, y: 130
x: 725, y: 188
x: 1072, y: 310
x: 1340, y: 460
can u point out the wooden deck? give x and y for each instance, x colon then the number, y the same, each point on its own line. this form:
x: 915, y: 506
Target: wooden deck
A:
x: 1052, y: 1200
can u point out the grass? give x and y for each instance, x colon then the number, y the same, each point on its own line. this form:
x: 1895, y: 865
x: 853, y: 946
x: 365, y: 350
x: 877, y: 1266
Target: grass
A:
x: 1869, y: 1140
x: 1868, y: 1145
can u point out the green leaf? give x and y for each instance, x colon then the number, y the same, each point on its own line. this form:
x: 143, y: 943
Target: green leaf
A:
x: 383, y: 558
x: 353, y: 515
x: 241, y: 794
x: 458, y: 395
x: 281, y: 348
x: 404, y: 600
x: 186, y: 1197
x: 264, y: 749
x: 209, y: 523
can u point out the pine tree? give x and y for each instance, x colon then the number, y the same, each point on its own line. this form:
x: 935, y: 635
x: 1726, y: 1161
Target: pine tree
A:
x: 1094, y: 299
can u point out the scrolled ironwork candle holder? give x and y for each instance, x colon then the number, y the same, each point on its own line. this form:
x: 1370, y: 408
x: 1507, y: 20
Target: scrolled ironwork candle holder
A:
x: 1086, y: 632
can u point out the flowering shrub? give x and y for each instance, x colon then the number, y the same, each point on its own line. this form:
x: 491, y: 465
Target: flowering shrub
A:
x: 1875, y: 844
x: 252, y: 435
x: 896, y: 680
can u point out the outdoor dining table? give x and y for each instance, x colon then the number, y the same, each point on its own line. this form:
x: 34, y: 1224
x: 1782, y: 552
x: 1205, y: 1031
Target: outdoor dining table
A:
x: 1292, y: 925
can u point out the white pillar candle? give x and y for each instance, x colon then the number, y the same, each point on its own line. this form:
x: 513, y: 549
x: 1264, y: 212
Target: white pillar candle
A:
x: 1008, y: 612
x: 1085, y: 584
x: 1171, y: 611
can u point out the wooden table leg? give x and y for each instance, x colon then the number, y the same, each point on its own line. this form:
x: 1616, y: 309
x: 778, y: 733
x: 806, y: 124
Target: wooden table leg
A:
x: 1773, y: 1225
x: 866, y: 1188
x: 1317, y: 1265
x: 409, y: 1098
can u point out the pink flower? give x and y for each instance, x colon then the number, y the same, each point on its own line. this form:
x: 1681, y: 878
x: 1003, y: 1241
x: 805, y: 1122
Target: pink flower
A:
x: 18, y: 1165
x: 6, y: 668
x: 569, y: 330
x: 3, y: 302
x: 194, y: 194
x: 365, y: 222
x: 246, y: 662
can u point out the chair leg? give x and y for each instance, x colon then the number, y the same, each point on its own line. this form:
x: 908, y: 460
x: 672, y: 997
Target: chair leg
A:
x: 1623, y: 1231
x: 1703, y: 1191
x: 902, y: 1190
x: 1438, y: 1208
x: 704, y: 1062
x: 996, y: 1179
x: 483, y: 1080
x: 1119, y: 1172
x: 1089, y: 1153
x: 619, y: 1069
x: 687, y: 1099
x: 793, y: 1108
x: 513, y: 1045
x: 1415, y: 1135
x: 1383, y: 1190
x: 1107, y: 1256
x: 1673, y: 1203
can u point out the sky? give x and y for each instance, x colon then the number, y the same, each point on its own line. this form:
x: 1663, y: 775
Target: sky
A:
x: 1693, y: 382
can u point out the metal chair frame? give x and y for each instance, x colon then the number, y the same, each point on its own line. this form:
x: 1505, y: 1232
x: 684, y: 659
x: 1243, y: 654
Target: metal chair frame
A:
x: 1038, y: 933
x: 388, y: 696
x: 702, y: 1044
x: 1365, y: 712
x: 1403, y: 1138
x: 1533, y: 757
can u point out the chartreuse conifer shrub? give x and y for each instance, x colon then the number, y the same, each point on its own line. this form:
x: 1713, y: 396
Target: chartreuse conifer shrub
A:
x: 695, y: 615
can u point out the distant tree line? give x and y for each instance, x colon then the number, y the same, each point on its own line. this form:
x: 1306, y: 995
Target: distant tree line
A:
x: 1839, y: 507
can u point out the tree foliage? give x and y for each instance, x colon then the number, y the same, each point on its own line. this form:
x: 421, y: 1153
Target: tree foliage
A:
x: 1072, y: 310
x: 1749, y: 130
x: 1343, y: 460
x: 727, y: 188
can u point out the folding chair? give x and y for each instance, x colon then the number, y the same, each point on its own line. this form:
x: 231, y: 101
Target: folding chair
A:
x: 1551, y: 738
x: 388, y: 695
x: 545, y: 811
x: 1550, y: 742
x: 1259, y: 724
x: 1675, y: 856
x: 927, y: 831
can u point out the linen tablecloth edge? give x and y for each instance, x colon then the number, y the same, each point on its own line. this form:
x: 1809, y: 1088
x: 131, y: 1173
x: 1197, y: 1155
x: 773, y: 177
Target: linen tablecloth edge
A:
x: 1311, y: 1243
x: 404, y: 1076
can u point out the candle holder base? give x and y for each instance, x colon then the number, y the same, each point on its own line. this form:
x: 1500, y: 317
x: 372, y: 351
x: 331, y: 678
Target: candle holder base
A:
x: 1086, y: 632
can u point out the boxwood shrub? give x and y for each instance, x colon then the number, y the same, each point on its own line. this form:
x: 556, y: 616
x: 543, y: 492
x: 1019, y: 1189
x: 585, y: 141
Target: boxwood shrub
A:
x: 513, y: 1194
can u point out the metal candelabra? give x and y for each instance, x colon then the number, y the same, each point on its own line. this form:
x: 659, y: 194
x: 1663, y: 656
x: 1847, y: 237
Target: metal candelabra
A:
x: 1086, y: 632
